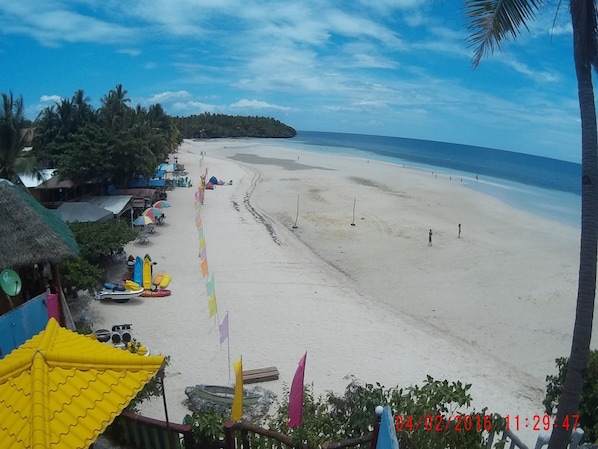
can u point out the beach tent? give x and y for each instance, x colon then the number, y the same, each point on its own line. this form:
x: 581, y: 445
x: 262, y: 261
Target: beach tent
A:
x: 83, y: 212
x: 60, y: 390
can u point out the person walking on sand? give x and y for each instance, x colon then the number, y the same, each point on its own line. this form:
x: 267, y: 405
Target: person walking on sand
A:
x: 430, y: 238
x: 459, y: 236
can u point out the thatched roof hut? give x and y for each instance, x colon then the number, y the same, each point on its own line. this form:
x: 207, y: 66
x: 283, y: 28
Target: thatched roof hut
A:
x: 30, y: 233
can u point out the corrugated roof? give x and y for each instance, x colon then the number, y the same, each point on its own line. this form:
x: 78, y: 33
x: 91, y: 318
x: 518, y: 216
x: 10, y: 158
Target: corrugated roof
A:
x: 61, y: 389
x: 114, y: 203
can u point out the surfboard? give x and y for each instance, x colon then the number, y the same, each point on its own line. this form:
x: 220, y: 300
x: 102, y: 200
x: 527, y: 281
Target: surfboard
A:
x: 138, y: 270
x: 158, y: 278
x: 165, y: 280
x: 147, y: 272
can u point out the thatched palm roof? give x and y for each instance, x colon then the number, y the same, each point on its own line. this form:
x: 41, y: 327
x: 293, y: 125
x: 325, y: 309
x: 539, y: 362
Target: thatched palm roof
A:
x: 30, y: 233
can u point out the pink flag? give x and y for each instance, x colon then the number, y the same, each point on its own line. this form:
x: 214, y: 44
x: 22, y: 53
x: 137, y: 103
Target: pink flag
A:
x: 224, y: 329
x: 296, y: 395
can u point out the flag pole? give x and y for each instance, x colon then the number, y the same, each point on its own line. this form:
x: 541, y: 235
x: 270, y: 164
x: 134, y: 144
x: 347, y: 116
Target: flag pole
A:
x: 297, y: 216
x: 228, y: 344
x: 354, y: 201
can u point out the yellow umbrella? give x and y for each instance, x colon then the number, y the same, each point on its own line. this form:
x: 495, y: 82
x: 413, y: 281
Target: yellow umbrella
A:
x: 61, y: 390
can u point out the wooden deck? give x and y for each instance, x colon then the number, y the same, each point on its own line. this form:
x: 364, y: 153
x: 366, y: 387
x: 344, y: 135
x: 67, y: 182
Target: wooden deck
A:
x: 254, y: 376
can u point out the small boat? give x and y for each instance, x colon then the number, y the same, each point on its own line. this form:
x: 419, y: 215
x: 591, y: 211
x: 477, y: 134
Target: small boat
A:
x: 166, y: 278
x: 120, y: 295
x: 132, y: 285
x: 158, y: 278
x: 155, y: 293
x: 224, y: 395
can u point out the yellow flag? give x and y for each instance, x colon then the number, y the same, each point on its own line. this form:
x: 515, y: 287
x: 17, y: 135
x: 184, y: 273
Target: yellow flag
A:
x: 212, y: 305
x: 237, y: 411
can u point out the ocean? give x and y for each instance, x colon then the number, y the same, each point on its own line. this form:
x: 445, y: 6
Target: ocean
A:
x: 543, y: 186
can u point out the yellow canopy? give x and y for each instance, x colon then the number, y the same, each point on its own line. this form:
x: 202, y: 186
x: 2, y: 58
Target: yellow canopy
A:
x: 61, y: 390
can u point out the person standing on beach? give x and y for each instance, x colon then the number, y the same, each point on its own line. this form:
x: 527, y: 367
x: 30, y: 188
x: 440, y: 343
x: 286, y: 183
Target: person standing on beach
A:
x: 430, y: 238
x: 459, y: 236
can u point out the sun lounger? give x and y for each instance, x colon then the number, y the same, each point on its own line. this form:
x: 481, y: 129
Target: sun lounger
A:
x: 143, y: 238
x: 253, y: 376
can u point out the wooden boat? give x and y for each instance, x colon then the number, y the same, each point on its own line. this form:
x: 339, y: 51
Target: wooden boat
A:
x: 120, y: 295
x: 224, y: 395
x: 155, y: 293
x: 147, y: 272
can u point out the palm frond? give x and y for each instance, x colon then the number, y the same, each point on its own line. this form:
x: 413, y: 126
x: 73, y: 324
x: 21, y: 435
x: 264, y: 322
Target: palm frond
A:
x: 491, y: 21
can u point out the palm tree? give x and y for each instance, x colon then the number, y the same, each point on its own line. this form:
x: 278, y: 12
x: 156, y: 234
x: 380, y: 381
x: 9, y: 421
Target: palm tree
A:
x: 12, y: 137
x: 491, y: 21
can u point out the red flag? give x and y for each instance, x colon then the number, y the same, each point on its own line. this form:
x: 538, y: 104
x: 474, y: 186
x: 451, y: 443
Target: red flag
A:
x: 296, y: 395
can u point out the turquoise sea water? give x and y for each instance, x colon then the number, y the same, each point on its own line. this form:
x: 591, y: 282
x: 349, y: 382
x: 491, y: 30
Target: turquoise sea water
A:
x: 544, y: 186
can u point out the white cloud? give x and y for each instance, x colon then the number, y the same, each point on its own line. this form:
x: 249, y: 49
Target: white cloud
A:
x: 50, y: 98
x: 256, y: 104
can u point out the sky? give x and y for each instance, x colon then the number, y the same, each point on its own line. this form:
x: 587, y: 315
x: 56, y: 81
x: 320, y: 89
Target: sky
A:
x: 384, y: 67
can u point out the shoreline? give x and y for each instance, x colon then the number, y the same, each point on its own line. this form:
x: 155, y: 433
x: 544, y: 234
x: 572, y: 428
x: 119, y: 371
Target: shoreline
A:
x: 371, y: 300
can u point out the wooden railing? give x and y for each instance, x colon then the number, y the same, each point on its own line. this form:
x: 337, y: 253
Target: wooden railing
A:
x: 148, y: 433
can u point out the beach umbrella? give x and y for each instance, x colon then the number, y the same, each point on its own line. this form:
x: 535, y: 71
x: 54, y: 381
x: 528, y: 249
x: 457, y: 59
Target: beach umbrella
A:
x: 58, y: 379
x: 162, y: 204
x: 152, y: 212
x: 143, y: 220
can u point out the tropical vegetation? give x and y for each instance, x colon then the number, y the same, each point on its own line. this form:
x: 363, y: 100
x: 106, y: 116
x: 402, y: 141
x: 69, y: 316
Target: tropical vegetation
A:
x: 208, y: 125
x: 491, y: 22
x: 110, y: 145
x: 588, y: 406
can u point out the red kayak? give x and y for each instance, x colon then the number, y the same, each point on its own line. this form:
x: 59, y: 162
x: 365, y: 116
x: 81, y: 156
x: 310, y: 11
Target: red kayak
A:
x: 156, y: 293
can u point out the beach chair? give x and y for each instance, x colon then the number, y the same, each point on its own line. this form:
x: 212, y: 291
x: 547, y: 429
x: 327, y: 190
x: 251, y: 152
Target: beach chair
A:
x: 143, y: 238
x: 151, y: 228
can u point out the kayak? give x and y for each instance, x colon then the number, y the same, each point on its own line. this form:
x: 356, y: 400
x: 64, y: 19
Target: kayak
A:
x: 158, y: 278
x: 132, y: 285
x: 113, y: 286
x: 156, y: 293
x: 165, y: 280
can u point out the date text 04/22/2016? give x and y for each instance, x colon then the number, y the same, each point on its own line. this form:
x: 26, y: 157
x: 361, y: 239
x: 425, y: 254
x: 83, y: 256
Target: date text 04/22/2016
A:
x: 478, y: 422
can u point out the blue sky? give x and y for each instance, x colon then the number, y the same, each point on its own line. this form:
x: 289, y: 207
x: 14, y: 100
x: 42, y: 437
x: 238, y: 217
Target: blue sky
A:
x: 386, y: 67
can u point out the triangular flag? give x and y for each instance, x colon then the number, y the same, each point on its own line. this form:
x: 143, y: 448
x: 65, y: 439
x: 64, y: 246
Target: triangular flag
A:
x: 212, y: 305
x: 237, y: 411
x: 204, y: 267
x: 224, y: 328
x: 200, y: 232
x: 296, y: 395
x: 210, y: 285
x: 203, y: 255
x: 387, y: 434
x: 202, y: 243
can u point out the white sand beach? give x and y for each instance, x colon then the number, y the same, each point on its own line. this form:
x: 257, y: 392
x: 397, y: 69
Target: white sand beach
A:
x: 493, y: 308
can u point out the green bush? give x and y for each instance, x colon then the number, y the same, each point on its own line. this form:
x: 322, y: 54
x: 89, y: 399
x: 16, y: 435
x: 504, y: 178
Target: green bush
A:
x: 437, y: 415
x: 207, y: 426
x: 588, y: 406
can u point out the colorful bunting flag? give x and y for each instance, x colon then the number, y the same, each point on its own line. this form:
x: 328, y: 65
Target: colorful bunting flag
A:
x: 237, y: 411
x: 212, y: 305
x: 204, y: 267
x: 296, y: 395
x: 210, y: 286
x: 224, y: 328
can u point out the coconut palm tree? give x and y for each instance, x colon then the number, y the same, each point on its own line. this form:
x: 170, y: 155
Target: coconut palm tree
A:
x: 12, y: 137
x: 490, y: 22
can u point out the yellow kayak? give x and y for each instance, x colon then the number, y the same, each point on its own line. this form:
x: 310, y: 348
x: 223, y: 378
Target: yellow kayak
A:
x: 166, y: 278
x: 132, y: 285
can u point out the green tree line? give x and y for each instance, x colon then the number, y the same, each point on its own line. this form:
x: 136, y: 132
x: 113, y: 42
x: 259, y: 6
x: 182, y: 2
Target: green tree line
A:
x: 212, y: 126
